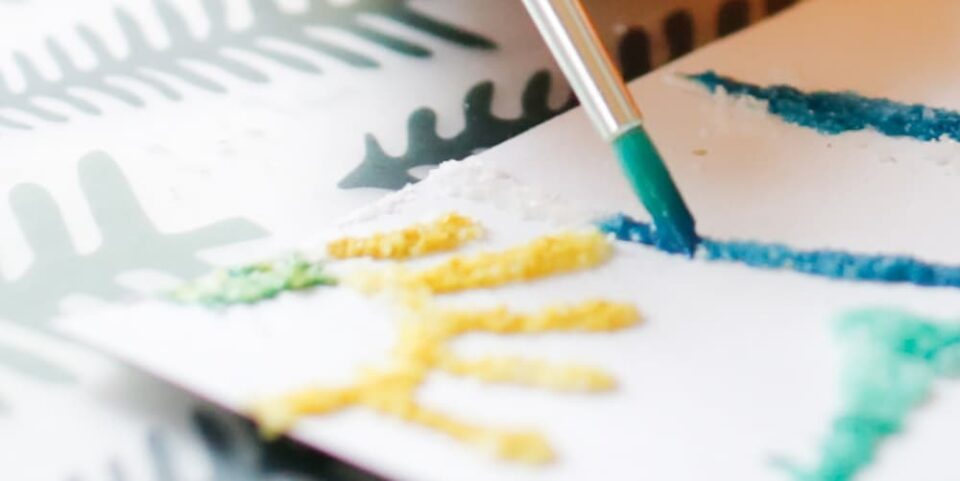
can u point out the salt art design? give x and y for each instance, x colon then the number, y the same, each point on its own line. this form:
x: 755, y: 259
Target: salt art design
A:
x: 426, y: 329
x: 32, y: 298
x: 483, y: 129
x: 893, y: 360
x: 894, y: 357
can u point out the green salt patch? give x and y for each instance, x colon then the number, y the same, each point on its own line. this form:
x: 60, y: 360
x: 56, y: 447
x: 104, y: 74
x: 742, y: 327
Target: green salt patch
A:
x: 892, y: 361
x: 253, y: 283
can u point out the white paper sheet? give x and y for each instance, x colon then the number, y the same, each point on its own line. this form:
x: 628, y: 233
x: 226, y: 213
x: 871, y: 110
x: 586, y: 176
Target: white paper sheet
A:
x: 734, y: 366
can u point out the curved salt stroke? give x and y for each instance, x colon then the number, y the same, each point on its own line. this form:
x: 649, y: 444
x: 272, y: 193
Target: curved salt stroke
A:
x: 891, y: 363
x: 834, y: 264
x: 834, y: 113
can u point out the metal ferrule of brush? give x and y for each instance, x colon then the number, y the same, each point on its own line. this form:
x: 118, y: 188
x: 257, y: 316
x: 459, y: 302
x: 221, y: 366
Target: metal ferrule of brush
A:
x: 570, y: 35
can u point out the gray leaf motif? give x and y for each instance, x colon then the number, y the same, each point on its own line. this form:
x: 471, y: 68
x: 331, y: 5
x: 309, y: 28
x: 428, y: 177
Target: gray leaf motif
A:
x: 483, y: 130
x: 154, y: 67
x: 130, y: 241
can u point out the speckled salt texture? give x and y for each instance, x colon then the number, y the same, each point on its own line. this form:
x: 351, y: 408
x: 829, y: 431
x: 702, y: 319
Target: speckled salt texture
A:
x: 728, y: 111
x: 472, y: 180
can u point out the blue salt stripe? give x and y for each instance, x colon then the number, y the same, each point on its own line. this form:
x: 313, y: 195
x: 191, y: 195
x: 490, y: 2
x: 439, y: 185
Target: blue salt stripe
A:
x: 837, y: 112
x: 835, y: 264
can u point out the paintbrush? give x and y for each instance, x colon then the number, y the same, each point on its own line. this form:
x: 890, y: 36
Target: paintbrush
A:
x: 571, y: 37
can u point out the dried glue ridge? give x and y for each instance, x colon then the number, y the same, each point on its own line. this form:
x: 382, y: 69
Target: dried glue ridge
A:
x: 542, y: 257
x: 253, y: 283
x: 444, y: 234
x: 426, y: 330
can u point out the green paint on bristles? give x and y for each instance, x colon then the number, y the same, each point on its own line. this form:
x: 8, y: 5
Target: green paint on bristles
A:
x: 253, y: 283
x: 652, y: 182
x: 892, y: 361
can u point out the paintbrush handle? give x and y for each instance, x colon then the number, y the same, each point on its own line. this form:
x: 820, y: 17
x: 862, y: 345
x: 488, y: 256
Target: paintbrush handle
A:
x: 573, y: 40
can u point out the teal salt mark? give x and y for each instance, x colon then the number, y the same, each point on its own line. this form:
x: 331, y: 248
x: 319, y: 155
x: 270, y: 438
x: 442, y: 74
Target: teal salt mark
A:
x: 892, y: 360
x: 253, y: 283
x: 837, y: 112
x: 825, y: 263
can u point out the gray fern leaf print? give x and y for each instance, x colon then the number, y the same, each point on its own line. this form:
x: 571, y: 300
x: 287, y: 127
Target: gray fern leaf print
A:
x: 426, y: 147
x: 130, y: 242
x: 154, y: 66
